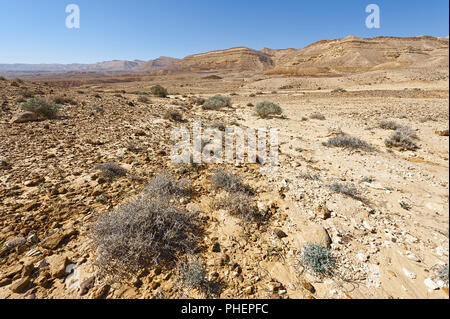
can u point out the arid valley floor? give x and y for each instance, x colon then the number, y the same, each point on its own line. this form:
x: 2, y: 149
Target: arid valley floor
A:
x: 388, y: 240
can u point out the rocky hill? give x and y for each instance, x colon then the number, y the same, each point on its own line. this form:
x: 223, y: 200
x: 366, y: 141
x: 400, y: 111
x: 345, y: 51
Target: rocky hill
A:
x: 327, y: 57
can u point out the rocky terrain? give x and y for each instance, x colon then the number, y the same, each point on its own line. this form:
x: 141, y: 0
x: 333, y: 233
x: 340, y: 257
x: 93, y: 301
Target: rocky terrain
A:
x: 327, y: 57
x: 381, y: 212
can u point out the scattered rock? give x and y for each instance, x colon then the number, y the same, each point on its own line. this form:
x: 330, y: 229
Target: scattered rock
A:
x: 317, y: 234
x: 86, y: 285
x: 24, y: 117
x: 430, y: 284
x: 409, y: 274
x: 280, y: 234
x: 309, y: 287
x: 57, y: 264
x: 442, y: 133
x: 21, y: 285
x: 15, y: 242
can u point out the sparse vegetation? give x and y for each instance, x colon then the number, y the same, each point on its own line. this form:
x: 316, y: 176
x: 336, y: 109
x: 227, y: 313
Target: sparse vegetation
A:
x: 442, y: 274
x: 346, y: 189
x: 405, y: 205
x: 64, y: 100
x: 163, y: 186
x: 367, y: 179
x: 402, y: 140
x: 140, y: 234
x: 242, y: 205
x: 230, y: 182
x: 159, y: 91
x: 427, y: 118
x: 346, y: 141
x: 389, y: 125
x: 112, y: 170
x: 318, y: 259
x: 143, y: 99
x: 217, y: 102
x: 194, y: 276
x: 317, y: 116
x: 41, y: 107
x: 174, y: 115
x: 266, y: 109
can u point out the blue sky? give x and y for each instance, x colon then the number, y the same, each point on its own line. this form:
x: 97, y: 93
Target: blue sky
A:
x: 34, y: 31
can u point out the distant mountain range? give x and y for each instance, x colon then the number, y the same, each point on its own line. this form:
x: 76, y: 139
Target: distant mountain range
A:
x: 346, y: 55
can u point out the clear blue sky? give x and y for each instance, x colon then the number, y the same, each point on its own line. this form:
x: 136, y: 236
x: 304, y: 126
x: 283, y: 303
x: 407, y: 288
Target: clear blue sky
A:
x: 34, y: 31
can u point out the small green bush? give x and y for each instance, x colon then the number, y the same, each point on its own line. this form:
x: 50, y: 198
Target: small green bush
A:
x: 318, y: 259
x: 41, y: 107
x: 159, y: 91
x: 217, y: 102
x: 266, y: 109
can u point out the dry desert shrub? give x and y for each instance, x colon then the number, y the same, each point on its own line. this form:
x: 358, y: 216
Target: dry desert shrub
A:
x: 174, y: 115
x: 241, y: 205
x: 427, y: 118
x: 266, y: 109
x: 230, y: 182
x: 41, y: 107
x: 143, y: 99
x: 402, y: 139
x: 64, y: 100
x: 346, y: 189
x: 217, y: 102
x: 389, y: 125
x: 317, y: 116
x: 158, y: 91
x: 194, y: 276
x: 346, y: 141
x: 111, y: 170
x: 164, y: 186
x: 142, y: 233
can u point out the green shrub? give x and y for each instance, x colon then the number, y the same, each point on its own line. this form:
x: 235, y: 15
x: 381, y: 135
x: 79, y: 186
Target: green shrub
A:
x: 217, y: 102
x: 318, y: 259
x: 159, y: 91
x: 41, y: 107
x: 266, y: 109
